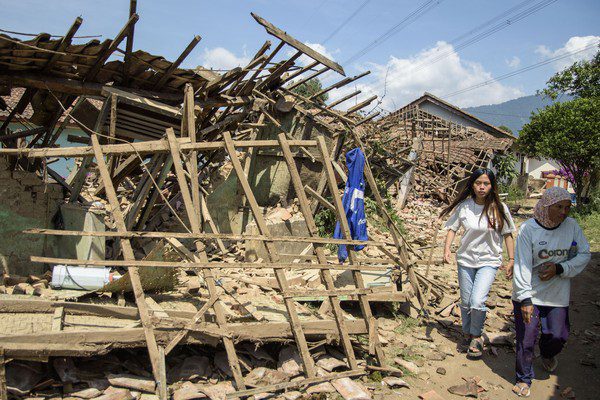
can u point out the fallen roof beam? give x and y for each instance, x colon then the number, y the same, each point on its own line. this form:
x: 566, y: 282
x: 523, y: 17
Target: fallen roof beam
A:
x: 91, y: 74
x: 308, y: 78
x: 343, y: 99
x: 129, y: 45
x: 187, y: 235
x: 273, y: 30
x: 74, y: 87
x: 361, y: 105
x: 200, y: 265
x: 22, y: 134
x: 159, y: 146
x: 339, y: 84
x: 300, y: 72
x: 65, y: 41
x: 167, y: 74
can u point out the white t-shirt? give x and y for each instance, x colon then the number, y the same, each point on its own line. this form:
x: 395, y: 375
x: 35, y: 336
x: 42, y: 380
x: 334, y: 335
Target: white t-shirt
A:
x: 537, y: 245
x: 480, y: 245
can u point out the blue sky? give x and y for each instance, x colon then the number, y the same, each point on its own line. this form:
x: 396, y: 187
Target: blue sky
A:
x: 230, y: 36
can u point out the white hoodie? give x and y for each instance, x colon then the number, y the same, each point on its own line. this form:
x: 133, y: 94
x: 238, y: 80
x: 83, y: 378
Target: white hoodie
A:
x: 537, y: 245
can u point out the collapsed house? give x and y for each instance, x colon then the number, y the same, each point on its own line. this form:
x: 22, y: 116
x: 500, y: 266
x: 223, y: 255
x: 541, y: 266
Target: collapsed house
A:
x: 432, y: 147
x: 208, y: 179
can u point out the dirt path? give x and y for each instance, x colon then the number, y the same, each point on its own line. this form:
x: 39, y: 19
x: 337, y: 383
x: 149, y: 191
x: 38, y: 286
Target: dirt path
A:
x: 577, y: 363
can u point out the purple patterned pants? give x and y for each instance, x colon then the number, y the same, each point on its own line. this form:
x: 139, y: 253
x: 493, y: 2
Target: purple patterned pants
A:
x: 554, y: 323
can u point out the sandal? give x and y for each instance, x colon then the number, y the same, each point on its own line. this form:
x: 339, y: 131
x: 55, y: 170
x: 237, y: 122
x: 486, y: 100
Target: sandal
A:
x: 521, y: 389
x: 475, y: 348
x: 549, y: 364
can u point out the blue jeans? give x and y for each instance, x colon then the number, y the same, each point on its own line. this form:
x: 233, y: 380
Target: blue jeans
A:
x: 475, y: 284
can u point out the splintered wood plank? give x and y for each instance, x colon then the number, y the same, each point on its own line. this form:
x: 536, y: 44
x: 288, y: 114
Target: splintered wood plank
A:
x: 79, y: 179
x: 395, y: 232
x: 345, y: 228
x: 296, y: 384
x: 298, y: 45
x: 3, y: 390
x: 307, y: 361
x: 201, y: 256
x: 188, y: 126
x: 128, y: 254
x: 167, y: 74
x: 112, y: 131
x: 192, y: 235
x: 312, y: 230
x: 58, y: 319
x: 153, y: 146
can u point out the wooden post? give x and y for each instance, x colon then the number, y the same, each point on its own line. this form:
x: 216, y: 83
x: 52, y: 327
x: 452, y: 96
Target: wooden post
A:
x: 128, y: 254
x: 79, y: 179
x: 232, y: 357
x: 345, y: 228
x: 312, y: 230
x: 307, y: 360
x: 3, y: 390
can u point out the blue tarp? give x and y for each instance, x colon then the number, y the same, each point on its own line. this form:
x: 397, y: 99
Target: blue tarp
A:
x: 354, y: 202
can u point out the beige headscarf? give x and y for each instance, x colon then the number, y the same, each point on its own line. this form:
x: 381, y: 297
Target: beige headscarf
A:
x: 551, y: 196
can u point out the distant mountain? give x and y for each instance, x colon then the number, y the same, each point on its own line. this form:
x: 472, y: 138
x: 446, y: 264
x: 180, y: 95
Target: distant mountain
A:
x: 513, y: 113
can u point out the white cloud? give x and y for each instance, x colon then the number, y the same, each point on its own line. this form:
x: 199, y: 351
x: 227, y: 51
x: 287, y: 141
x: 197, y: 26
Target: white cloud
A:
x: 408, y: 78
x: 574, y: 44
x: 318, y: 47
x: 221, y: 58
x: 513, y: 62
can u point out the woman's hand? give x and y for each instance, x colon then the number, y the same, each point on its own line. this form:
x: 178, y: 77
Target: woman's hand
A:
x: 547, y: 271
x: 508, y: 268
x: 527, y: 312
x: 447, y: 256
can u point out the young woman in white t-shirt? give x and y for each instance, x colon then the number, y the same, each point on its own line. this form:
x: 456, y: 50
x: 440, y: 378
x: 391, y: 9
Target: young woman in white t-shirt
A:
x: 486, y: 222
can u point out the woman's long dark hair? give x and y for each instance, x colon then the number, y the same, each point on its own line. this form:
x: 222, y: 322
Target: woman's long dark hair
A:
x: 492, y: 207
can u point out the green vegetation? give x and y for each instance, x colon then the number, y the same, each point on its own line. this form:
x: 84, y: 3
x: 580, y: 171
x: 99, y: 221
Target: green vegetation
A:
x: 310, y: 88
x: 582, y: 79
x: 375, y: 376
x: 515, y: 194
x: 505, y: 167
x: 407, y: 324
x: 588, y: 216
x: 590, y: 223
x: 569, y: 132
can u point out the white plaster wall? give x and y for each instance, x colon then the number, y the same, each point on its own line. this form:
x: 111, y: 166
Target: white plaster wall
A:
x: 536, y: 167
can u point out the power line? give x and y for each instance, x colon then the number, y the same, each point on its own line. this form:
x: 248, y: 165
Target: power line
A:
x: 491, y: 21
x: 346, y: 21
x: 410, y: 18
x: 493, y: 29
x: 311, y: 16
x: 520, y: 71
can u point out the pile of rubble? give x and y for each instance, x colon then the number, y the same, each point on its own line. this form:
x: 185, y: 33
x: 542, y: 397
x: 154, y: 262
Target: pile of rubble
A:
x: 192, y: 199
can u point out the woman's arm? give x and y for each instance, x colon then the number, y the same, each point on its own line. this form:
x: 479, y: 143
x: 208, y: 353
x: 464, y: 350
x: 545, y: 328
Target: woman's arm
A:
x: 574, y: 266
x: 523, y: 265
x: 447, y: 245
x: 509, y: 241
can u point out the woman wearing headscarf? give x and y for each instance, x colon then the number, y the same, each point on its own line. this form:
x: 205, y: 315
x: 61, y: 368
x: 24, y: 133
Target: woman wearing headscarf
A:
x: 551, y: 249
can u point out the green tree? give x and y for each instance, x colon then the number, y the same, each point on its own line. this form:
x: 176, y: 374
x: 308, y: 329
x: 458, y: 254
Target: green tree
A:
x: 311, y: 88
x: 504, y: 164
x: 569, y: 133
x: 582, y: 79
